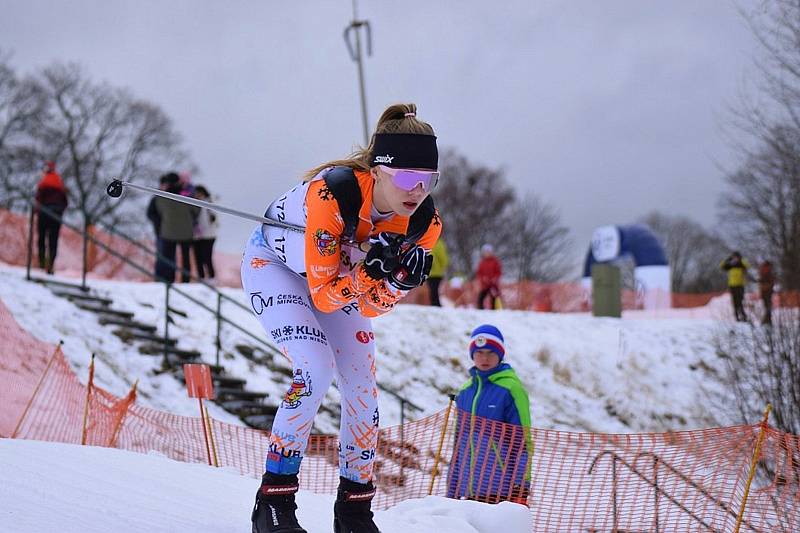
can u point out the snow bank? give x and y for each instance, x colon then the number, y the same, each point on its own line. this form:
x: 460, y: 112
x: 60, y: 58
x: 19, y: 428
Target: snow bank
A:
x: 82, y: 489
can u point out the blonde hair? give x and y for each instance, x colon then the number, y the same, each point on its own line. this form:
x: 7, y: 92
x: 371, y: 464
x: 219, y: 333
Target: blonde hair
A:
x: 397, y: 118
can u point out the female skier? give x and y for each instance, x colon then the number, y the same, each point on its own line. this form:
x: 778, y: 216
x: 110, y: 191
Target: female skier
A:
x: 369, y: 227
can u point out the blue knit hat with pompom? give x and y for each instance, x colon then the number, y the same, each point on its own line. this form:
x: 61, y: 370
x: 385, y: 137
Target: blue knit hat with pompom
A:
x: 487, y: 337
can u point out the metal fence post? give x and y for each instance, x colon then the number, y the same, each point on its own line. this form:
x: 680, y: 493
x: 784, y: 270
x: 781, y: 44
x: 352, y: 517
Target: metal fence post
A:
x: 166, y: 326
x: 219, y: 325
x: 30, y: 243
x: 85, y: 251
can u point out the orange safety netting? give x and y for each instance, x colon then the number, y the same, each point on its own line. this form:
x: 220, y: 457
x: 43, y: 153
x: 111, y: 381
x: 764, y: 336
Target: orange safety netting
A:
x: 14, y: 231
x: 555, y: 297
x: 684, y: 481
x: 566, y: 297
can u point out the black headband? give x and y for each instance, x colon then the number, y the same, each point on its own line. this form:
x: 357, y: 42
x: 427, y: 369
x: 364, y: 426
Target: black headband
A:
x: 405, y: 150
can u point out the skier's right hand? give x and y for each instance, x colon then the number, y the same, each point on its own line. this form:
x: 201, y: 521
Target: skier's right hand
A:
x: 383, y: 255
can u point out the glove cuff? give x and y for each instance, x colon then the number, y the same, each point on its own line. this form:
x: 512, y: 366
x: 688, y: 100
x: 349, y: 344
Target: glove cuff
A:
x: 362, y: 281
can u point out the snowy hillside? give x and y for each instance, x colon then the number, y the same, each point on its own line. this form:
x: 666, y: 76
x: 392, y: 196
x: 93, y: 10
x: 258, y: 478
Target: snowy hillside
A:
x: 76, y: 489
x: 583, y: 373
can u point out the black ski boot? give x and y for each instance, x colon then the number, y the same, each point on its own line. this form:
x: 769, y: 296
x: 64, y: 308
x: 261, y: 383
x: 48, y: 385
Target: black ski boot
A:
x: 275, y: 507
x: 351, y: 512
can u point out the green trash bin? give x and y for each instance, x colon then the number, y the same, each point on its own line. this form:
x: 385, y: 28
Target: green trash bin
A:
x: 606, y: 290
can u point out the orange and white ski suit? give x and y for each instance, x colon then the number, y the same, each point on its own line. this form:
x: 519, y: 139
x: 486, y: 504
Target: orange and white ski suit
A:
x: 314, y: 300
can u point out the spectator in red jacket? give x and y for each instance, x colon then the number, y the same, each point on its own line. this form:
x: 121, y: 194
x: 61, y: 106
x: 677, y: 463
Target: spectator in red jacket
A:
x: 766, y: 286
x: 51, y: 201
x: 488, y: 276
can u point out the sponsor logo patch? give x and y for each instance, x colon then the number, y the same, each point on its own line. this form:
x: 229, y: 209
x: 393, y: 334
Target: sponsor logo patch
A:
x: 258, y: 303
x: 298, y: 333
x: 362, y: 337
x: 321, y: 270
x: 325, y: 242
x: 301, y: 387
x: 384, y: 158
x: 350, y: 308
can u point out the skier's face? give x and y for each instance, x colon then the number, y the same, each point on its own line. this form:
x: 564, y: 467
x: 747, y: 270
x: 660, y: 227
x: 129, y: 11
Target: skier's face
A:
x: 401, y: 201
x: 485, y: 359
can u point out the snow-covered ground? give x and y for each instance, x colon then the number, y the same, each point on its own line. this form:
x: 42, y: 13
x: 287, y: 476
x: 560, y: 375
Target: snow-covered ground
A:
x: 81, y: 489
x: 645, y: 372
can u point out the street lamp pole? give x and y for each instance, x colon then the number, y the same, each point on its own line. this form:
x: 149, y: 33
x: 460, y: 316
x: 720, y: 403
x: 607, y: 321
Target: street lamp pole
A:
x: 352, y: 38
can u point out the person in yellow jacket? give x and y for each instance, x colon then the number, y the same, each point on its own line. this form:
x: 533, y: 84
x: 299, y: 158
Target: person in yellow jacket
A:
x: 438, y: 270
x: 736, y: 267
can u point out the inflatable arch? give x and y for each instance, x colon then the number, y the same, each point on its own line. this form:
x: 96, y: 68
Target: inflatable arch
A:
x: 652, y: 272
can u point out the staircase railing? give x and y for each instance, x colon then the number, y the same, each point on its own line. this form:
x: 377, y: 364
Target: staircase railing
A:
x: 658, y: 462
x: 170, y: 287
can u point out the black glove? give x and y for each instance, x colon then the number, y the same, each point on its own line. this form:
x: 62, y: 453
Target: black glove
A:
x: 383, y: 255
x: 415, y: 265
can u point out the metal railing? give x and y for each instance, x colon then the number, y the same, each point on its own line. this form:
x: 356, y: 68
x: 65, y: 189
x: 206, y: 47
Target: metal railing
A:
x: 658, y: 462
x: 169, y: 287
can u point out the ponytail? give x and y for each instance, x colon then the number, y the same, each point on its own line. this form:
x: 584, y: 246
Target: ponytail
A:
x: 397, y: 118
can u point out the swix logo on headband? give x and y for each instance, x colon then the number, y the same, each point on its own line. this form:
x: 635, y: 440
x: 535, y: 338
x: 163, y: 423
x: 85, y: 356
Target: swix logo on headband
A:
x: 383, y: 158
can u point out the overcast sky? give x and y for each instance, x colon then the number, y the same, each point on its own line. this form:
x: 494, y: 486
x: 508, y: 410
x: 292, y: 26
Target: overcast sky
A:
x: 606, y: 109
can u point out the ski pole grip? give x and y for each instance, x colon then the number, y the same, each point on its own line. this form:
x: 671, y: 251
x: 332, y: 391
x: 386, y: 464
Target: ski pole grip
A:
x: 114, y: 189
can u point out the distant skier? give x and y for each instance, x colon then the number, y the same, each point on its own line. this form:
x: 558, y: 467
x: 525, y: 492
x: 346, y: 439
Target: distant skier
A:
x: 491, y: 462
x: 314, y: 294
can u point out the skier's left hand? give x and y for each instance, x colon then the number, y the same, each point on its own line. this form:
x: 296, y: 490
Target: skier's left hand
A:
x: 415, y: 265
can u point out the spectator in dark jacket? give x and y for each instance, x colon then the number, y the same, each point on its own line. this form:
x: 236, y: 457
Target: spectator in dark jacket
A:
x: 176, y: 228
x: 493, y: 449
x: 766, y: 286
x: 51, y: 202
x: 164, y: 182
x: 488, y: 276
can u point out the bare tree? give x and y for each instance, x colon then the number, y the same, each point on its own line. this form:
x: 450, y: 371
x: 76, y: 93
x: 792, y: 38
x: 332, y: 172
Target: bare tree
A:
x: 763, y: 366
x: 475, y: 202
x: 694, y: 253
x: 96, y: 133
x: 761, y: 206
x: 538, y: 244
x: 763, y: 201
x: 20, y: 104
x: 776, y: 26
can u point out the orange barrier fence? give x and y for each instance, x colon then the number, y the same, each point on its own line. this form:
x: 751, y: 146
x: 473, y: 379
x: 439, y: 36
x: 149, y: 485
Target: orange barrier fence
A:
x: 685, y: 481
x: 101, y: 263
x: 550, y: 297
x: 568, y: 297
x: 14, y: 251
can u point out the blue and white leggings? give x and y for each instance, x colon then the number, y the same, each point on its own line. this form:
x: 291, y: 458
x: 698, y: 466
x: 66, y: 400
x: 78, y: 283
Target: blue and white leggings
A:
x: 320, y: 346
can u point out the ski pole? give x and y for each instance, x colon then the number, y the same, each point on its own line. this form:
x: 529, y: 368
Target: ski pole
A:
x: 115, y: 188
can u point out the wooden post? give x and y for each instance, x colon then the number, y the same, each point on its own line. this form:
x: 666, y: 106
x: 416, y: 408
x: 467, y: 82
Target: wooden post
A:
x: 437, y: 458
x: 753, y: 463
x: 205, y: 431
x: 86, y: 403
x: 211, y: 437
x: 36, y: 390
x: 200, y: 386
